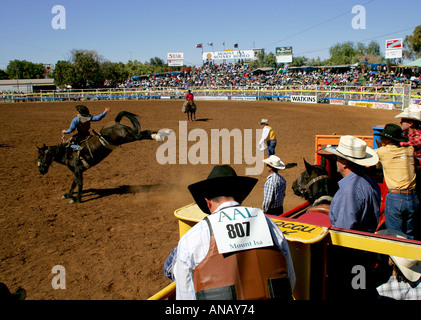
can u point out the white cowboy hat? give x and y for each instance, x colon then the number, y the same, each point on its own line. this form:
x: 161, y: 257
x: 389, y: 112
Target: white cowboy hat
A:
x: 412, y: 112
x: 274, y: 162
x: 264, y: 121
x: 355, y: 150
x: 410, y: 268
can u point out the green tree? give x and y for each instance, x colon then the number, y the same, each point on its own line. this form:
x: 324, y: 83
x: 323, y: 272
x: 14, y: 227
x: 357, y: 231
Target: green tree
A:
x: 87, y: 68
x: 270, y: 60
x: 298, y: 62
x: 114, y: 72
x: 344, y: 53
x: 25, y: 70
x: 63, y: 73
x: 3, y: 75
x: 412, y: 44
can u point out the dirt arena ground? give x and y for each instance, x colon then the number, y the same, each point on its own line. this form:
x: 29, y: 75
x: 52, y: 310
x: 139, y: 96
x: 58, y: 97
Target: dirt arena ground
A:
x: 113, y: 245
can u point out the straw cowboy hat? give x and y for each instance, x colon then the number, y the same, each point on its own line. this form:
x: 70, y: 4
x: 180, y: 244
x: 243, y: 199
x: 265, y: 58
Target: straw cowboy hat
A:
x: 393, y: 132
x: 355, y: 150
x: 274, y: 162
x: 222, y: 181
x: 410, y: 268
x: 264, y: 121
x: 413, y: 112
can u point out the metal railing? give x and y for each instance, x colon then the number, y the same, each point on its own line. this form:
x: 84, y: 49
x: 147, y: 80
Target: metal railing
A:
x: 385, y: 94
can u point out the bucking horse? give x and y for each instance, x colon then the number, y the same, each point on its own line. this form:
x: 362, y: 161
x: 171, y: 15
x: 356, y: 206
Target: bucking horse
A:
x: 94, y: 149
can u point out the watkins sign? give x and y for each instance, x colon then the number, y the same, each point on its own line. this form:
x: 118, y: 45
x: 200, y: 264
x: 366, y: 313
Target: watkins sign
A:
x: 305, y: 99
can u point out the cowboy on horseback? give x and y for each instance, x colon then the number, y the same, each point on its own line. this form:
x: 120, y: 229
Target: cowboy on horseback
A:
x: 190, y: 106
x: 82, y: 123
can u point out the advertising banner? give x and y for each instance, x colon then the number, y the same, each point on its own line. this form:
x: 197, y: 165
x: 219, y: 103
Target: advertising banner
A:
x: 227, y: 55
x: 175, y: 59
x: 393, y: 48
x: 283, y: 54
x: 304, y: 99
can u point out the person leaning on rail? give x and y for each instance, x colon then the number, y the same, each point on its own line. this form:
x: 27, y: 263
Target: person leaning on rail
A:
x: 399, y: 174
x: 236, y: 252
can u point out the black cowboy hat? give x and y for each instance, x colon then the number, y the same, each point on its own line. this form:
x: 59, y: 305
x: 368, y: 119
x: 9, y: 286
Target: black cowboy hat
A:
x: 393, y: 132
x: 83, y: 110
x: 222, y: 181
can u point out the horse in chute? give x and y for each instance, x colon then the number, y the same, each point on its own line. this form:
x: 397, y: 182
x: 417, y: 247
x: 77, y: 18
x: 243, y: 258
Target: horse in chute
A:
x: 315, y: 186
x: 94, y: 149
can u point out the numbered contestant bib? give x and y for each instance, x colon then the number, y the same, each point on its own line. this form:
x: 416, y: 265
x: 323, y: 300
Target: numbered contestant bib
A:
x: 240, y: 228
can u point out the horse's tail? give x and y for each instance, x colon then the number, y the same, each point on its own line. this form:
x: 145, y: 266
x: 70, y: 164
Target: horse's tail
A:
x: 131, y: 116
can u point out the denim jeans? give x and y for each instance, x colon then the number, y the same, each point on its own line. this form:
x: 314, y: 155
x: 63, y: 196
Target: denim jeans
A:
x: 400, y: 211
x: 271, y: 147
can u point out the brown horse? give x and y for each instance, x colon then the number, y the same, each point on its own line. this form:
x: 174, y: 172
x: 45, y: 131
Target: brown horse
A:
x: 190, y: 108
x: 315, y: 186
x: 93, y: 150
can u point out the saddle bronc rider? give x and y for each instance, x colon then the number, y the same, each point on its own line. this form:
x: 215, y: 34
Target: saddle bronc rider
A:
x: 82, y: 123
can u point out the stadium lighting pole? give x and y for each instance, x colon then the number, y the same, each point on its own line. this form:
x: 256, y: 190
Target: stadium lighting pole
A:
x: 17, y: 78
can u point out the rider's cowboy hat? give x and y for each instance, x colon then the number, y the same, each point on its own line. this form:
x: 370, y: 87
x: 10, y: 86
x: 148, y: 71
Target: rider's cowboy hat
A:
x: 413, y: 112
x: 264, y: 121
x: 393, y: 132
x: 274, y: 162
x: 355, y: 150
x: 222, y: 181
x: 410, y: 268
x: 83, y: 110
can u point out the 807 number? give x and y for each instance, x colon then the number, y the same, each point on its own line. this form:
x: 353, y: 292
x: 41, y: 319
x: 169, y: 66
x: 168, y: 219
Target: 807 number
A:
x: 237, y: 230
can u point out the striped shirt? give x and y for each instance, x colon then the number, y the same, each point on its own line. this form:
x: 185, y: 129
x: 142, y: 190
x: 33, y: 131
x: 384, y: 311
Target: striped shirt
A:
x: 274, y: 191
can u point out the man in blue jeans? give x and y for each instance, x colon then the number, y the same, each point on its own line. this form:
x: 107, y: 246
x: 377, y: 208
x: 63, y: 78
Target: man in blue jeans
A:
x: 399, y: 174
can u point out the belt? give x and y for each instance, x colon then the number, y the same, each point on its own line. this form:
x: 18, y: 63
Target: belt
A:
x: 402, y: 191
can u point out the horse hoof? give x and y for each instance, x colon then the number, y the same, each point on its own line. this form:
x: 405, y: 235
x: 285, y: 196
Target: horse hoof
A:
x: 72, y: 201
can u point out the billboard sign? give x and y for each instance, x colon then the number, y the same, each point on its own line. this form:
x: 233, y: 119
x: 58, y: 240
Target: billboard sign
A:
x: 227, y: 55
x: 283, y: 54
x: 393, y: 48
x: 175, y: 59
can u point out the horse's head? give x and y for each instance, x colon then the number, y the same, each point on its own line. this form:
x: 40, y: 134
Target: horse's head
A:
x: 45, y: 158
x: 312, y: 183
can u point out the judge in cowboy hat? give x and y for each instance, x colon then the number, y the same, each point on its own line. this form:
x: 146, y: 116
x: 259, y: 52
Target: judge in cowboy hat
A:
x: 274, y: 188
x: 202, y: 272
x: 269, y: 136
x: 356, y: 205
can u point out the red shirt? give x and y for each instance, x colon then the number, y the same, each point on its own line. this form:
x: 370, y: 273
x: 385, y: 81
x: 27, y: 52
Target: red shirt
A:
x: 415, y: 141
x: 189, y: 96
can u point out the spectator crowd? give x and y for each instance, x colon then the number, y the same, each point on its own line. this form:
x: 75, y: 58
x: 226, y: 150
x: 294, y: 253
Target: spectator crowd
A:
x: 242, y: 75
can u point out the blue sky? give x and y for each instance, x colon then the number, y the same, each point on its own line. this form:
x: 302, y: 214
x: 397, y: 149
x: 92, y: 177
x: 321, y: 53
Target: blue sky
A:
x: 124, y: 30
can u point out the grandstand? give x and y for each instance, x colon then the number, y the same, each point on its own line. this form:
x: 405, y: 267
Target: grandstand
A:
x: 347, y: 84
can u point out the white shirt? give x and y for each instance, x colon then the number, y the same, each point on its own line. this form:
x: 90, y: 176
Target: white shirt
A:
x: 265, y: 135
x: 194, y: 246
